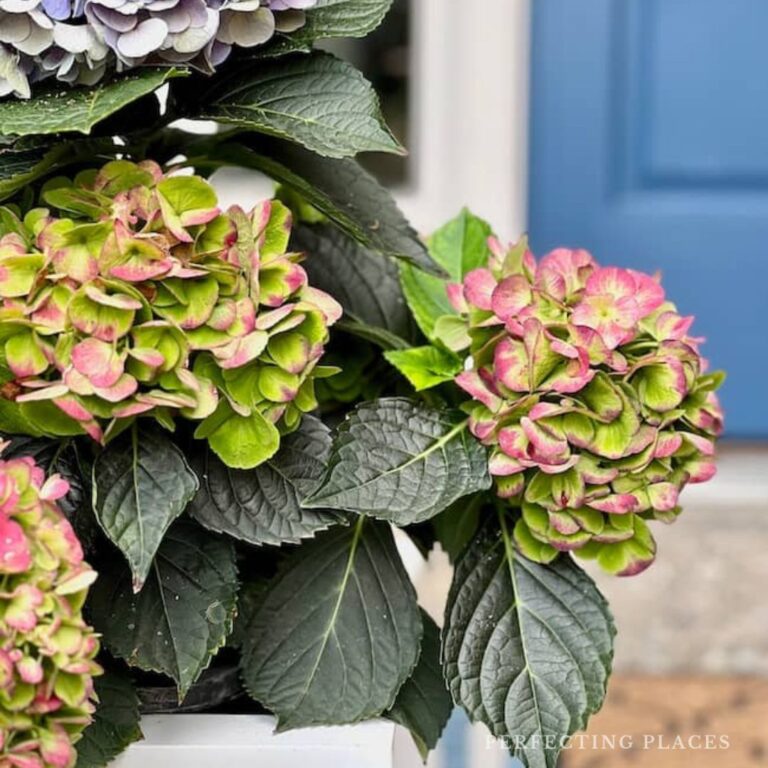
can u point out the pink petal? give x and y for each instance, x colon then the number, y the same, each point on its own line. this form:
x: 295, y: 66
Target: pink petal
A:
x: 667, y: 444
x: 702, y: 444
x: 330, y: 308
x: 514, y: 442
x: 510, y: 363
x: 611, y: 281
x: 132, y: 409
x: 15, y: 555
x: 73, y: 408
x: 455, y: 293
x: 98, y: 362
x: 473, y: 384
x: 241, y: 351
x: 615, y: 504
x: 115, y: 300
x: 663, y: 496
x: 501, y: 465
x: 55, y: 487
x: 510, y: 296
x: 700, y: 470
x: 552, y: 449
x: 563, y: 272
x: 648, y: 294
x: 479, y: 285
x: 123, y: 388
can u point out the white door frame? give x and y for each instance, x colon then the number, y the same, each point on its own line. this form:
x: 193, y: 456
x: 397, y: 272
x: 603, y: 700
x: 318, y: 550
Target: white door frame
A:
x: 469, y: 112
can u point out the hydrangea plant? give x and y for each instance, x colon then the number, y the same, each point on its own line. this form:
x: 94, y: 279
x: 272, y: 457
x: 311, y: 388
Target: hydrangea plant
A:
x: 161, y: 353
x: 133, y: 294
x: 47, y: 651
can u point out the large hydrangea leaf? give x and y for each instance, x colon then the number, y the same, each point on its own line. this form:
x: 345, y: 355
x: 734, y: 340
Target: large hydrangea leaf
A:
x: 403, y: 462
x: 263, y: 505
x: 527, y: 648
x: 59, y: 110
x: 359, y: 641
x: 141, y: 484
x: 342, y: 18
x: 316, y: 100
x: 184, y: 613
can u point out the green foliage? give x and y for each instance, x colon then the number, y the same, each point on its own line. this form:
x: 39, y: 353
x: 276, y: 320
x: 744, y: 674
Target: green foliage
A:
x: 399, y: 461
x: 349, y: 196
x: 263, y: 506
x: 425, y: 367
x: 56, y: 110
x: 297, y: 98
x: 364, y: 282
x: 345, y: 659
x: 527, y: 648
x: 182, y: 615
x: 458, y: 247
x: 342, y: 18
x: 115, y: 725
x: 221, y: 317
x: 423, y: 705
x: 141, y: 484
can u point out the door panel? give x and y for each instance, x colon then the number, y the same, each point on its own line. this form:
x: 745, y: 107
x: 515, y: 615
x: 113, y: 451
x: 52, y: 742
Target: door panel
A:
x: 649, y: 142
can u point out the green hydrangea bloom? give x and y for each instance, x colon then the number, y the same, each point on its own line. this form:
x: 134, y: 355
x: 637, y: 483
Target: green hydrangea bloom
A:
x: 132, y: 294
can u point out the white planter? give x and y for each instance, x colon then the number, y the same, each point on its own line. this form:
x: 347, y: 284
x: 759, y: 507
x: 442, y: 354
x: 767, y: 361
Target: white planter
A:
x: 237, y: 741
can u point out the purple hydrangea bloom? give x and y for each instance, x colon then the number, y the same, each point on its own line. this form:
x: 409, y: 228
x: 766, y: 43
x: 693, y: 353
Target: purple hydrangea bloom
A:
x: 78, y: 41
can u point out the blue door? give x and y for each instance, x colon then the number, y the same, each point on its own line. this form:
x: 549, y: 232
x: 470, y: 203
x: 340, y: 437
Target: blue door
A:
x: 650, y: 148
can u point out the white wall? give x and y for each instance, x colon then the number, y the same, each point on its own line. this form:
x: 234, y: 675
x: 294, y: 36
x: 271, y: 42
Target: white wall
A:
x: 470, y: 112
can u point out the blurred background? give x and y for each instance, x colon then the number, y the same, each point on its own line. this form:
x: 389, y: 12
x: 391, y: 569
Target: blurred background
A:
x: 637, y: 129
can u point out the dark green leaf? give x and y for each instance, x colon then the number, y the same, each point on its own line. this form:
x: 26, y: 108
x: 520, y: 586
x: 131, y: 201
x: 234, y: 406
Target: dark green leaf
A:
x: 316, y: 100
x: 21, y: 164
x: 342, y: 18
x: 115, y: 725
x: 349, y: 196
x: 365, y: 283
x: 263, y: 505
x: 425, y: 367
x: 183, y: 614
x: 423, y: 704
x: 141, y: 484
x: 458, y: 247
x: 403, y: 462
x: 527, y: 648
x: 60, y: 110
x: 457, y: 525
x: 379, y: 337
x: 338, y: 632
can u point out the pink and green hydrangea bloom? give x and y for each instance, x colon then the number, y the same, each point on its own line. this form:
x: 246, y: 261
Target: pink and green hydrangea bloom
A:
x: 132, y: 294
x: 593, y: 398
x: 47, y: 650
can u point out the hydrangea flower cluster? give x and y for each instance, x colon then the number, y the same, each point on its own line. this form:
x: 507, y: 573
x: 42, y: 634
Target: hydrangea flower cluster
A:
x: 46, y: 649
x: 592, y: 396
x: 147, y: 299
x: 77, y: 41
